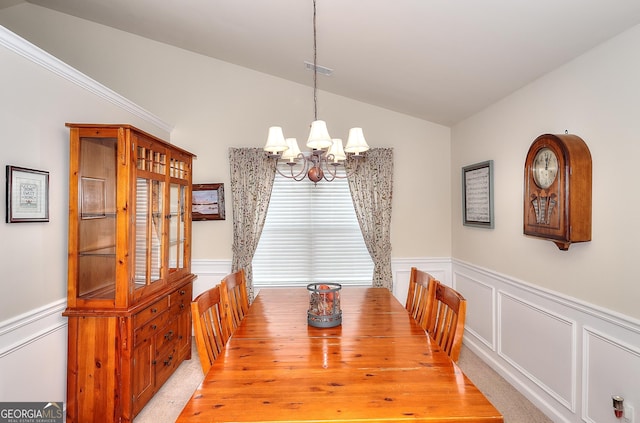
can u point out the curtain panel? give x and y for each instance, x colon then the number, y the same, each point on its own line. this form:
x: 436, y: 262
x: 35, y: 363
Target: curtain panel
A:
x: 371, y: 190
x: 252, y: 175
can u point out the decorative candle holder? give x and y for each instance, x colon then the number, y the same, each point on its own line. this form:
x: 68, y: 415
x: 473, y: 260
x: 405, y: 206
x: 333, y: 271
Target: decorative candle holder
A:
x: 324, y: 305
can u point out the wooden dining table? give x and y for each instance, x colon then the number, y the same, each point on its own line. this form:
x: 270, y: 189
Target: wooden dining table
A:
x: 378, y: 365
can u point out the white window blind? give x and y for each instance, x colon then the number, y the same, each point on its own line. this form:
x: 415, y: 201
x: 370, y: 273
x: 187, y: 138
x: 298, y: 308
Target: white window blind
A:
x: 311, y: 234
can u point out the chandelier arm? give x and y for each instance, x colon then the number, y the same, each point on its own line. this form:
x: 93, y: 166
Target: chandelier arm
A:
x: 330, y: 168
x: 334, y: 173
x: 297, y: 176
x: 329, y: 172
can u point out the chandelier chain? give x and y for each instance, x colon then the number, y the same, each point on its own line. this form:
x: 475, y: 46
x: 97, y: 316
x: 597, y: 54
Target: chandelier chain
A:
x: 315, y: 66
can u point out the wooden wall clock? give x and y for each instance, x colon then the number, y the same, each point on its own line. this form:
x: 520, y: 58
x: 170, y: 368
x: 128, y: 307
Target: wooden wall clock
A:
x: 557, y: 190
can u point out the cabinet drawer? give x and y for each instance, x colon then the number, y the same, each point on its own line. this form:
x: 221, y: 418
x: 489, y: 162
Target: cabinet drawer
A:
x: 149, y: 329
x: 150, y: 312
x: 180, y: 299
x: 167, y: 336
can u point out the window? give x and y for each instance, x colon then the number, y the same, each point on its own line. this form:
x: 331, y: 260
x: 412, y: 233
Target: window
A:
x: 311, y: 234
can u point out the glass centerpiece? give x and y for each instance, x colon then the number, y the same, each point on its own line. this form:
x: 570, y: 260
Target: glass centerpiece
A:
x: 324, y: 305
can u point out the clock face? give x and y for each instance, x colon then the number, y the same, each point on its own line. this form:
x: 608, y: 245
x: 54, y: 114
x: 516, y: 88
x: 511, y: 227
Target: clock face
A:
x: 545, y: 167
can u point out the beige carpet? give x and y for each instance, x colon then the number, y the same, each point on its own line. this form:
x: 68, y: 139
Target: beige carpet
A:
x: 166, y: 405
x: 513, y: 406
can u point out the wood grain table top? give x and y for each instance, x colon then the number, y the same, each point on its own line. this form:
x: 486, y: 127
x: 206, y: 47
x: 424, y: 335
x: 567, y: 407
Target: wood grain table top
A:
x: 378, y: 365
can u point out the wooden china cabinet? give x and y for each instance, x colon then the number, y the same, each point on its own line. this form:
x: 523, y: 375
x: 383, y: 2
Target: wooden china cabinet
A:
x: 130, y: 281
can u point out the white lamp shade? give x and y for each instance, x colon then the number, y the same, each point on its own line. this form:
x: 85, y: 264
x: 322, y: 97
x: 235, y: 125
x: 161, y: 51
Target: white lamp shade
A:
x: 292, y: 152
x: 319, y: 135
x: 276, y: 143
x: 336, y: 150
x: 356, y: 142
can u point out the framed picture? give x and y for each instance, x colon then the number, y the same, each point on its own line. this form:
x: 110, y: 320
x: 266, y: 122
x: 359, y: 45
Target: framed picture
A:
x: 477, y: 195
x: 27, y: 195
x: 207, y: 202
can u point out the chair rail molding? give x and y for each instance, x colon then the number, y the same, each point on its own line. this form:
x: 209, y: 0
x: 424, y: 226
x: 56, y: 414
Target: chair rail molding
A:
x: 27, y: 328
x: 26, y: 376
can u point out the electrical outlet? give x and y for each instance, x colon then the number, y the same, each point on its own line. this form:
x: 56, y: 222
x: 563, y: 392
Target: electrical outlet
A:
x: 628, y: 414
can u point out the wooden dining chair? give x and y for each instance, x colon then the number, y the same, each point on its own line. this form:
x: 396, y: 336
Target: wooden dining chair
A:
x: 209, y: 326
x: 421, y: 295
x: 445, y: 322
x: 234, y: 298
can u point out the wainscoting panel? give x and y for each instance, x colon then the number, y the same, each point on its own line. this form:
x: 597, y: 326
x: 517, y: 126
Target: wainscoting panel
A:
x: 481, y: 319
x: 540, y: 344
x: 566, y: 356
x: 439, y: 268
x: 210, y: 273
x: 611, y: 367
x: 33, y: 355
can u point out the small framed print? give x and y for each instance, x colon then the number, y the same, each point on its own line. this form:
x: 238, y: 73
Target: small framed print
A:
x: 207, y: 202
x: 477, y: 195
x: 27, y: 195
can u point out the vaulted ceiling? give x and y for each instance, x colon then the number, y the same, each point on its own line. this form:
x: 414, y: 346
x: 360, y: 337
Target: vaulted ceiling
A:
x: 439, y: 60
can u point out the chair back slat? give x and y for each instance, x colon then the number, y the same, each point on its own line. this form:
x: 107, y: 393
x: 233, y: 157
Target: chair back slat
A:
x: 210, y: 326
x: 446, y: 320
x: 234, y: 298
x: 421, y: 295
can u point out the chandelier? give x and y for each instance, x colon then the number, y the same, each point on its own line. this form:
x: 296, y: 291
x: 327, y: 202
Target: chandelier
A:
x: 326, y: 154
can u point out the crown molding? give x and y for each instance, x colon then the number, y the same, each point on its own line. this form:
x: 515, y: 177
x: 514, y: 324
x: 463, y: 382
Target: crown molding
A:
x: 51, y: 63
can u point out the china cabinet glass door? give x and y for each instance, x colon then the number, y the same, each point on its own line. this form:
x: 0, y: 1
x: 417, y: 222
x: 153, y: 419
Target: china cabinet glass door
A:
x: 149, y: 224
x: 149, y: 221
x: 177, y: 215
x: 96, y: 265
x: 176, y: 227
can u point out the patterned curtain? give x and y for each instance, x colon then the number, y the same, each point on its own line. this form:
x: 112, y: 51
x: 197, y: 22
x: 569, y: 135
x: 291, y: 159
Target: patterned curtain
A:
x: 252, y: 175
x: 371, y: 191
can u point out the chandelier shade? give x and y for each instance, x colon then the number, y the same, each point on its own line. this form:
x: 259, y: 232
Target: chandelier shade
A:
x: 356, y: 142
x: 336, y: 152
x: 319, y: 135
x: 276, y: 143
x: 291, y: 154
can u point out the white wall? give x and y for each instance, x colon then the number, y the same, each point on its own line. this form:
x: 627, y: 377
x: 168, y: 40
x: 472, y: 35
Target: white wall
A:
x: 596, y: 97
x: 562, y: 326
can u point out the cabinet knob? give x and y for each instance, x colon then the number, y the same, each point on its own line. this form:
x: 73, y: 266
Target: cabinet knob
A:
x: 181, y: 306
x: 169, y: 335
x: 182, y: 292
x: 167, y: 362
x: 154, y: 310
x: 154, y: 327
